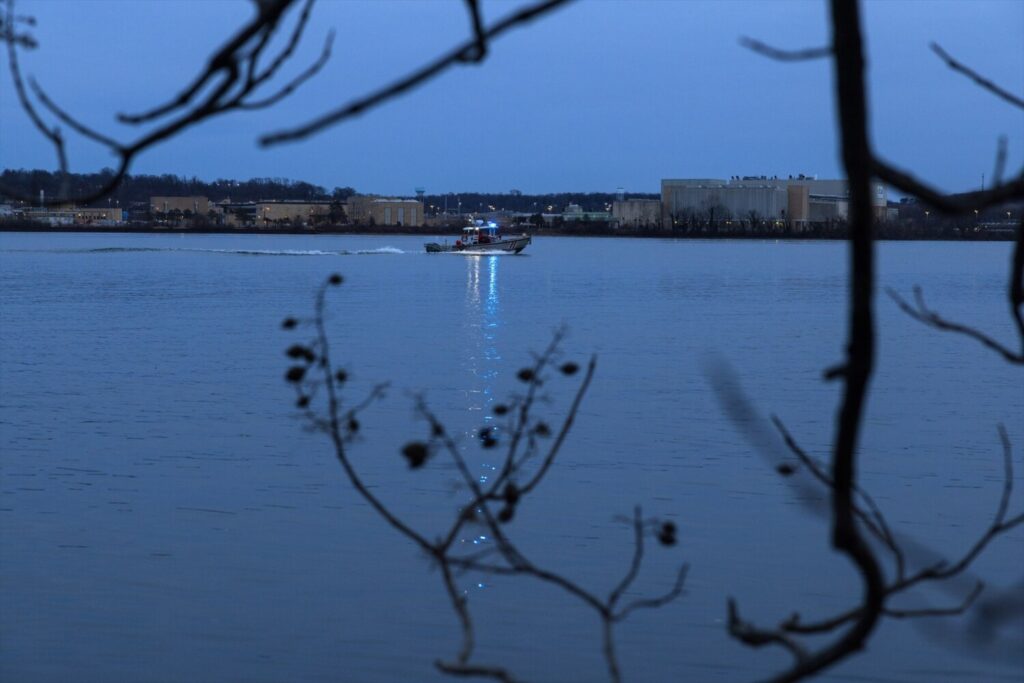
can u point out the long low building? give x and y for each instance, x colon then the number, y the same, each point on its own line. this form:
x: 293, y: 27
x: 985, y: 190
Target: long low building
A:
x: 196, y: 205
x: 373, y: 210
x: 798, y: 201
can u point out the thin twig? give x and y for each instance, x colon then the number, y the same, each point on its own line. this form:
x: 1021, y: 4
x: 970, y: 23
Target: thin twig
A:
x: 653, y: 603
x: 749, y: 634
x: 765, y: 50
x: 956, y: 610
x: 980, y: 80
x: 922, y: 313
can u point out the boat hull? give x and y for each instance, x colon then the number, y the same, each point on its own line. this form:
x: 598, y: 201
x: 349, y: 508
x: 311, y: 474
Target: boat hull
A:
x: 511, y: 245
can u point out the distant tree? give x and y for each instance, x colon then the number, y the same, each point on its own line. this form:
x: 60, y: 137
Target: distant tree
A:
x: 336, y: 214
x: 340, y: 194
x: 754, y: 219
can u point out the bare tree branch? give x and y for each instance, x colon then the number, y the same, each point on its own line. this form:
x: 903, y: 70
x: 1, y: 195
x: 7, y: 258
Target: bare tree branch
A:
x: 781, y: 55
x: 73, y: 123
x: 951, y: 204
x: 269, y: 12
x: 476, y: 20
x: 920, y: 312
x: 293, y: 85
x: 956, y: 610
x: 54, y: 134
x: 983, y: 82
x: 314, y: 376
x: 8, y: 33
x: 653, y: 603
x: 749, y: 634
x: 847, y: 45
x: 459, y: 54
x: 232, y: 77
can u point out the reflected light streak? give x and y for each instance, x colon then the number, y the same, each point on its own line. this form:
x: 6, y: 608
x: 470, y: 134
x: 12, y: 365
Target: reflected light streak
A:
x: 483, y: 308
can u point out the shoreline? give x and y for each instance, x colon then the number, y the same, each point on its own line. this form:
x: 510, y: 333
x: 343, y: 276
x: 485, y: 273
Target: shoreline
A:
x: 431, y: 232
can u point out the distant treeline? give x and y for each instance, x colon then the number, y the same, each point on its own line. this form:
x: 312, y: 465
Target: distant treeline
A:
x: 137, y: 189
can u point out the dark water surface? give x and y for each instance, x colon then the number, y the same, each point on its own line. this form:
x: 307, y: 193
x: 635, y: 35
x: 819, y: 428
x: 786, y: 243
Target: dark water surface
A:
x: 164, y: 516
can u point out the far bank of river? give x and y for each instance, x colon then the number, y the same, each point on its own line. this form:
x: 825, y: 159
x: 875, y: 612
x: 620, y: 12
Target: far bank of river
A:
x: 884, y: 231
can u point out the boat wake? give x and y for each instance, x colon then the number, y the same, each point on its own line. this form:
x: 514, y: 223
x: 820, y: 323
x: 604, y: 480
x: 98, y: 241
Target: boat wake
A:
x: 229, y: 252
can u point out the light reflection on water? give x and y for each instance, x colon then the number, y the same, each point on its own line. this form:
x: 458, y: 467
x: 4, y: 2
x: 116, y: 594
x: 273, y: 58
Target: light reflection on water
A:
x: 483, y: 316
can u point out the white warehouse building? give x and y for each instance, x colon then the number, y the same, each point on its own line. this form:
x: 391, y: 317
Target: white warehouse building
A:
x: 799, y: 200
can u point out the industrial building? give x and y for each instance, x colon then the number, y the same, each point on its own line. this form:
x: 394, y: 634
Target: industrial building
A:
x: 636, y: 213
x: 292, y: 212
x: 367, y: 210
x: 798, y: 201
x: 198, y: 206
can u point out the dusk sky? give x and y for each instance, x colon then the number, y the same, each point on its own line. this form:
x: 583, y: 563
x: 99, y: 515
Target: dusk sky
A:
x: 597, y: 96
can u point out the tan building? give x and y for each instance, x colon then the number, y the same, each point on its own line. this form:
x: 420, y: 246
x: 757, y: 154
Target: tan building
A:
x: 305, y: 213
x: 99, y: 216
x: 398, y: 212
x: 636, y: 213
x: 367, y: 209
x: 199, y: 206
x: 358, y: 208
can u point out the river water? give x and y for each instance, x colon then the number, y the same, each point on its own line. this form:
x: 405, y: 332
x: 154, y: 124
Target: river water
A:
x: 164, y: 516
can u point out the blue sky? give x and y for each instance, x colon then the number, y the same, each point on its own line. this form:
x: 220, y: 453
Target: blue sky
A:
x: 600, y: 95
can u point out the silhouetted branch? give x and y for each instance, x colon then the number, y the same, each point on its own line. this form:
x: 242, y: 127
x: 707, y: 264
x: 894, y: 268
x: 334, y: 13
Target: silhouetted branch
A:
x: 255, y: 77
x: 293, y: 85
x: 936, y: 572
x: 956, y: 610
x: 476, y: 20
x: 919, y: 311
x: 874, y: 522
x: 13, y: 42
x: 749, y: 634
x: 781, y: 55
x: 847, y: 46
x: 228, y: 56
x: 951, y: 204
x: 314, y: 376
x: 860, y: 164
x: 232, y: 75
x: 654, y: 603
x: 474, y: 671
x: 72, y: 122
x: 980, y: 80
x: 466, y: 51
x: 10, y: 35
x: 638, y: 556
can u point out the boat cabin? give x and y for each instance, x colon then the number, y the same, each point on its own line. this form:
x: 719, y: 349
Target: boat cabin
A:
x: 480, y: 234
